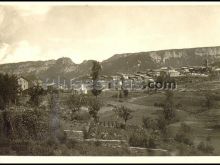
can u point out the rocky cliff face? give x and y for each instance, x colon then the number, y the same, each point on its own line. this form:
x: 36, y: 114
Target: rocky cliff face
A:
x: 128, y: 62
x: 131, y: 62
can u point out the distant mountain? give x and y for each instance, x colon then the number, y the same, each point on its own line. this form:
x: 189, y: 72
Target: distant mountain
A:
x: 155, y: 59
x: 65, y: 68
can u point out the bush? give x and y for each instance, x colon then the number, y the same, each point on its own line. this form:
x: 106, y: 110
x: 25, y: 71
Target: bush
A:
x: 75, y: 102
x: 71, y: 143
x: 179, y: 105
x: 85, y: 133
x: 125, y: 93
x: 94, y: 106
x: 168, y: 108
x: 206, y: 148
x: 138, y: 140
x: 182, y: 138
x: 123, y: 112
x: 184, y: 135
x: 150, y: 123
x: 84, y: 116
x: 62, y: 137
x: 186, y: 150
x: 29, y: 124
x: 141, y: 139
x: 97, y: 143
x: 161, y: 124
x: 158, y: 104
x: 151, y: 142
x: 35, y: 93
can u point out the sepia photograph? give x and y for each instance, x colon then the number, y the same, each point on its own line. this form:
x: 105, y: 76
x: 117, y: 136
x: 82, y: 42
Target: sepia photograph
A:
x: 96, y: 79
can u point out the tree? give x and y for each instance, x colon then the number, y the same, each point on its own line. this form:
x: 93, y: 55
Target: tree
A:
x: 209, y: 100
x: 96, y: 69
x: 206, y: 147
x: 27, y: 124
x: 94, y: 106
x: 75, y: 102
x: 35, y: 92
x: 184, y: 135
x: 150, y: 123
x: 168, y: 111
x: 125, y: 92
x: 9, y: 90
x: 124, y: 113
x: 123, y: 87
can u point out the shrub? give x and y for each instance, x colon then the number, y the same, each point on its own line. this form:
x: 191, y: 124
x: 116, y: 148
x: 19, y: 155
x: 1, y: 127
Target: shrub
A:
x: 184, y: 135
x: 84, y: 116
x: 94, y: 106
x: 206, y: 148
x: 182, y: 138
x: 186, y: 150
x: 161, y: 124
x: 125, y: 93
x: 85, y: 133
x: 151, y: 142
x: 168, y: 108
x: 97, y: 143
x: 158, y: 104
x: 142, y: 139
x: 149, y: 123
x: 179, y: 105
x: 209, y: 100
x: 138, y: 140
x: 75, y: 102
x: 124, y: 113
x: 71, y: 143
x: 62, y: 137
x: 35, y: 92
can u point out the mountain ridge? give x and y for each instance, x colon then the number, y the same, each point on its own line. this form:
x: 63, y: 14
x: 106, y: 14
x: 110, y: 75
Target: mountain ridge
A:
x: 123, y: 62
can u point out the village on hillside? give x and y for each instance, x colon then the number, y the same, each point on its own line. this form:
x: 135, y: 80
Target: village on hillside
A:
x: 135, y: 81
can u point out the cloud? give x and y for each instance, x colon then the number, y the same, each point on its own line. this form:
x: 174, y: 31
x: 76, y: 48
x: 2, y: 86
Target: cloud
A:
x: 97, y: 32
x: 4, y: 48
x: 11, y: 25
x: 21, y: 51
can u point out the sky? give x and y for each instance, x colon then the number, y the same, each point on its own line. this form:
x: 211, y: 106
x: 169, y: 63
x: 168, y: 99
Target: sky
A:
x: 43, y: 31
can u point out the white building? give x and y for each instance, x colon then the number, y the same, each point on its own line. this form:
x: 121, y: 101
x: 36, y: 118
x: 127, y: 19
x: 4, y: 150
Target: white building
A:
x: 173, y: 73
x: 83, y: 89
x: 23, y: 83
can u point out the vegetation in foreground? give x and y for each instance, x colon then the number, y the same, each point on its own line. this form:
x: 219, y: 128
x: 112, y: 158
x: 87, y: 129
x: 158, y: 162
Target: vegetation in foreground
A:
x: 27, y: 128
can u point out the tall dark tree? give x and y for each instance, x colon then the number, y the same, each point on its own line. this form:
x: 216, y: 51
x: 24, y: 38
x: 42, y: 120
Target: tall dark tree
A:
x: 169, y: 112
x: 96, y: 69
x: 209, y: 100
x: 35, y: 92
x: 9, y: 90
x: 94, y: 105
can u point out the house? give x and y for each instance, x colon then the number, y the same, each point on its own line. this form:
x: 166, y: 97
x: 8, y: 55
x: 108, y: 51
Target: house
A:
x: 83, y: 89
x: 50, y: 86
x: 164, y: 68
x: 116, y: 77
x: 154, y: 73
x: 104, y: 84
x: 37, y: 83
x: 173, y: 73
x: 185, y: 70
x: 23, y: 83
